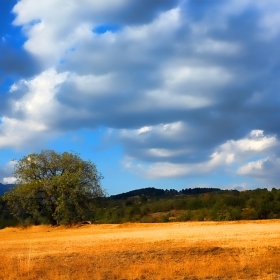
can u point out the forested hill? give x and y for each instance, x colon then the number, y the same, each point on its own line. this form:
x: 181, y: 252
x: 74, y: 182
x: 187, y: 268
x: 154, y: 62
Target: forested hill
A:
x: 4, y: 188
x: 148, y: 192
x: 160, y: 193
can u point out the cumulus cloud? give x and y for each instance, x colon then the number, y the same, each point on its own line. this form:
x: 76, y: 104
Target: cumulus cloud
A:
x: 256, y: 144
x: 266, y: 169
x: 6, y: 173
x: 224, y: 159
x: 188, y: 86
x: 32, y: 106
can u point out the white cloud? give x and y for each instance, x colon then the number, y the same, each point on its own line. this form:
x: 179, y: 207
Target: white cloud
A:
x: 29, y: 119
x: 266, y: 169
x: 38, y: 96
x: 93, y: 85
x: 228, y: 155
x: 270, y: 20
x: 165, y: 130
x: 196, y: 75
x: 251, y: 168
x: 167, y: 170
x: 261, y: 168
x: 49, y: 37
x: 162, y: 27
x: 6, y: 173
x: 217, y: 47
x: 9, y: 180
x: 238, y: 151
x: 161, y: 170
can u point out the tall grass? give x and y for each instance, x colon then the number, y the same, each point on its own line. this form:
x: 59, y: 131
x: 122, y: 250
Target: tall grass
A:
x: 185, y: 263
x: 185, y: 251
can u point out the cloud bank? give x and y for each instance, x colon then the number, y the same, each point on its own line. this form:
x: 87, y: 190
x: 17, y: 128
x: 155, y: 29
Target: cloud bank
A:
x: 188, y: 87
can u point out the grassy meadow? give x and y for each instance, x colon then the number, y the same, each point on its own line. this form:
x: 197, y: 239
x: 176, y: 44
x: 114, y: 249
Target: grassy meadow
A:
x: 190, y: 250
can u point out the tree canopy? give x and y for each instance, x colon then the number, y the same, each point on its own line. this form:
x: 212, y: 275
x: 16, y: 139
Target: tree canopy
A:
x: 54, y: 188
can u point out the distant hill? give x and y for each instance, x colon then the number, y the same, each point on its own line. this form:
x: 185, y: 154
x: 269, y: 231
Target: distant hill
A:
x: 5, y: 187
x: 148, y: 192
x: 157, y: 193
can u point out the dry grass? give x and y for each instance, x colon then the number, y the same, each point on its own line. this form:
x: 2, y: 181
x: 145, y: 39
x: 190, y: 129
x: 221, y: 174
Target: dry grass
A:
x: 193, y: 250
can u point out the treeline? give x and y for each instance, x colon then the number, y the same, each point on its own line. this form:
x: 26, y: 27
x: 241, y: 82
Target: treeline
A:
x: 6, y: 218
x: 199, y: 204
x: 189, y: 205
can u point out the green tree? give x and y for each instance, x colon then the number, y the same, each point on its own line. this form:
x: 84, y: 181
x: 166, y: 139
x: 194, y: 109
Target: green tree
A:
x: 54, y: 188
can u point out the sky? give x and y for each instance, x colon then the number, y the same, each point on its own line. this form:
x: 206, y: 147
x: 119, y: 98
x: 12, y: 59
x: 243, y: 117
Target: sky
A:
x: 170, y: 94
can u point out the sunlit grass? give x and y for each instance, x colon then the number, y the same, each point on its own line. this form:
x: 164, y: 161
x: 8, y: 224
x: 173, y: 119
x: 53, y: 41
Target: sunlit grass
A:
x: 247, y: 250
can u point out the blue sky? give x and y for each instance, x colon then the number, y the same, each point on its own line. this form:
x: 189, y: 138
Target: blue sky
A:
x: 164, y: 93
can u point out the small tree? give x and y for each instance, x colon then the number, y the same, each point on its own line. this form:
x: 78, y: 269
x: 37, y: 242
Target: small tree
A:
x: 54, y: 188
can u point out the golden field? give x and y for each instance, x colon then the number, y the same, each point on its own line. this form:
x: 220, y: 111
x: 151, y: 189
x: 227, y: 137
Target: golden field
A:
x: 191, y: 250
